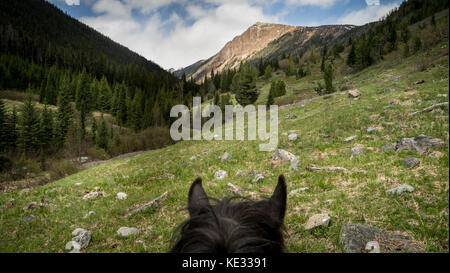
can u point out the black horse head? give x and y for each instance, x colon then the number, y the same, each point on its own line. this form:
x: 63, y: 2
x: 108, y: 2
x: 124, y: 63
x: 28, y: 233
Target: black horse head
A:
x: 227, y: 226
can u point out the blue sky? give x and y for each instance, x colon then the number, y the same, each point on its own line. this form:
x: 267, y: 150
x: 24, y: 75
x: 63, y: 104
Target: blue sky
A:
x: 177, y: 33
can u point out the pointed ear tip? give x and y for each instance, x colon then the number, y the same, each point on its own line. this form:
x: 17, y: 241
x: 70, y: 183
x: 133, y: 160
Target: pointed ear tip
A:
x: 197, y: 181
x: 281, y: 179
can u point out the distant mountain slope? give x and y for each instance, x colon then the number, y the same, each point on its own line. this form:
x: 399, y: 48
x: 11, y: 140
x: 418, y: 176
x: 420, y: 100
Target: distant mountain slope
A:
x: 242, y: 47
x: 299, y: 41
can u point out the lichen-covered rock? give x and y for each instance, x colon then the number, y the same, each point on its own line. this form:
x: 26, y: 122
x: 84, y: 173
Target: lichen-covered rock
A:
x: 126, y: 231
x: 220, y: 174
x: 421, y: 144
x: 411, y: 162
x: 355, y: 237
x: 318, y: 220
x: 225, y: 157
x: 400, y: 190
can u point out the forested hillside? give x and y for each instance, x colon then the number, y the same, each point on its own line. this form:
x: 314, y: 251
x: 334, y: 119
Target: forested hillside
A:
x: 82, y: 88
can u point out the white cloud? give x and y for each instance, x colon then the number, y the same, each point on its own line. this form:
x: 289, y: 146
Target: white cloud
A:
x: 72, y: 2
x: 373, y: 2
x: 180, y: 44
x: 369, y: 14
x: 318, y: 3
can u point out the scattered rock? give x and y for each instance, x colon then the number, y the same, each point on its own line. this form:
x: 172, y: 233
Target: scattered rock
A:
x: 354, y: 93
x: 411, y: 162
x: 299, y: 190
x: 235, y: 189
x: 318, y: 220
x: 431, y: 108
x: 292, y: 137
x: 91, y: 195
x: 421, y: 144
x: 83, y: 159
x: 78, y: 184
x: 420, y: 82
x: 28, y: 218
x: 372, y: 130
x: 193, y: 158
x: 169, y: 176
x: 402, y: 126
x: 295, y: 164
x: 73, y: 246
x: 90, y: 213
x: 147, y: 205
x: 82, y: 237
x: 372, y: 247
x: 30, y: 206
x: 291, y: 117
x: 356, y: 151
x: 312, y: 168
x: 387, y: 147
x: 355, y: 237
x: 400, y: 190
x: 205, y: 152
x: 390, y: 106
x: 240, y: 173
x: 442, y: 95
x: 122, y: 195
x: 225, y: 157
x: 436, y: 154
x: 350, y: 138
x: 283, y: 155
x: 126, y: 231
x: 258, y: 177
x: 220, y: 174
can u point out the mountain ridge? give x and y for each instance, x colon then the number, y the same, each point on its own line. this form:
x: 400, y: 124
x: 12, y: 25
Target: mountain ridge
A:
x: 262, y: 40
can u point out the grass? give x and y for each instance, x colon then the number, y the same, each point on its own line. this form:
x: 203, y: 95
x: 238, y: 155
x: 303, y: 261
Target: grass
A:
x: 322, y: 125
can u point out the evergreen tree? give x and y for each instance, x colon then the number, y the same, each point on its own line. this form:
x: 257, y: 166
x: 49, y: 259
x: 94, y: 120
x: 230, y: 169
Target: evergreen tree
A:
x: 94, y: 130
x: 46, y: 128
x: 268, y: 72
x: 244, y: 85
x: 271, y: 98
x: 324, y: 56
x: 122, y: 110
x: 3, y: 126
x: 82, y: 102
x: 104, y: 95
x: 102, y: 135
x: 29, y: 126
x: 328, y: 77
x: 351, y: 59
x: 64, y: 112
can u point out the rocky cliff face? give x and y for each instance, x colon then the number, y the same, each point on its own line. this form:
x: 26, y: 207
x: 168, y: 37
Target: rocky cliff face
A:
x: 242, y: 47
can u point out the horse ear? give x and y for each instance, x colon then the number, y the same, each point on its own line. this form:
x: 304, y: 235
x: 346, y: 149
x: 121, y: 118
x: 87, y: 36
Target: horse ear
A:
x: 197, y: 197
x: 278, y: 200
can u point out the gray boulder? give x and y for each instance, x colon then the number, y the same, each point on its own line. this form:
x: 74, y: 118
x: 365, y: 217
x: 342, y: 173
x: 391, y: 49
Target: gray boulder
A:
x: 126, y: 231
x: 318, y: 220
x: 421, y: 144
x: 400, y: 190
x: 411, y: 162
x: 293, y: 137
x: 225, y: 157
x: 354, y: 238
x: 82, y: 237
x: 220, y: 174
x: 356, y: 151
